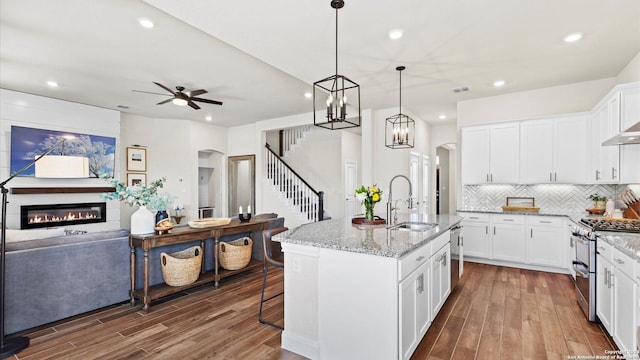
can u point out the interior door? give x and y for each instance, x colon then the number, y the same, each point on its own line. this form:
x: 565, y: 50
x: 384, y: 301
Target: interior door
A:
x: 426, y: 173
x: 414, y: 175
x: 351, y: 207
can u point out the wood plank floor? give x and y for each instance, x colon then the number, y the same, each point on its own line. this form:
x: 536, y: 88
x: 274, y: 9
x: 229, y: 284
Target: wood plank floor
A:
x: 494, y: 313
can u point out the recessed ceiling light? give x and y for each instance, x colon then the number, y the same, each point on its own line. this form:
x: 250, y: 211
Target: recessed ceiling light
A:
x: 52, y: 83
x: 442, y: 116
x: 208, y: 118
x: 307, y: 95
x: 395, y: 34
x: 498, y: 83
x: 122, y: 106
x: 573, y: 37
x: 146, y: 23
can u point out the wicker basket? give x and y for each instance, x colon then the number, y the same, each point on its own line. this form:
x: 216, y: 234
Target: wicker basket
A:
x: 182, y: 267
x: 236, y: 254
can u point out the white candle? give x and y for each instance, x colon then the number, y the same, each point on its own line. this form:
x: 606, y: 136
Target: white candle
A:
x: 240, y: 210
x: 249, y: 209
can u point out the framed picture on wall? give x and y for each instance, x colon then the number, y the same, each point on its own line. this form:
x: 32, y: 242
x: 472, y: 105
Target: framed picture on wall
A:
x: 134, y: 179
x: 136, y: 159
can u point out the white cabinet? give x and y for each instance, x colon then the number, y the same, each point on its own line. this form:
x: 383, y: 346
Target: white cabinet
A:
x: 546, y: 241
x: 629, y: 106
x: 555, y: 150
x: 617, y: 295
x: 476, y: 235
x: 415, y: 312
x: 605, y: 123
x: 508, y: 243
x: 490, y: 154
x: 440, y: 278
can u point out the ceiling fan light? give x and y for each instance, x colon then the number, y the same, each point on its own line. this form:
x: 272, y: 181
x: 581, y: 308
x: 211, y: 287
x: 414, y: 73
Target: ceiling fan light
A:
x: 179, y: 102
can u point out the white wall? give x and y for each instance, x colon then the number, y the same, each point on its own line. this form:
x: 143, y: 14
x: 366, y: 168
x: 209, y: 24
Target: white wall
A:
x: 631, y: 72
x: 555, y: 100
x: 28, y: 110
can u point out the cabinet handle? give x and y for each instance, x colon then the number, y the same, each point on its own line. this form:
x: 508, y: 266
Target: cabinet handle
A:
x: 461, y: 240
x: 611, y: 279
x: 443, y: 259
x: 545, y: 222
x: 613, y: 173
x: 550, y: 177
x: 507, y: 219
x: 597, y: 174
x: 420, y: 283
x: 486, y: 229
x: 474, y: 217
x: 606, y: 277
x: 601, y: 248
x: 555, y: 177
x: 532, y: 232
x: 491, y: 177
x: 618, y: 261
x: 420, y: 258
x: 487, y: 177
x: 494, y: 230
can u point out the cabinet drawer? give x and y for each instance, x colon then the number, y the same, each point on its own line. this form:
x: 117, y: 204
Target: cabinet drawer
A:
x: 604, y: 249
x: 507, y: 219
x: 411, y: 261
x: 440, y: 241
x: 475, y: 217
x: 544, y: 220
x: 623, y: 262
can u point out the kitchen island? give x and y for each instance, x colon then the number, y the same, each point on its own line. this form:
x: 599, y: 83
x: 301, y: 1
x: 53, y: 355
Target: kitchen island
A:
x: 363, y: 292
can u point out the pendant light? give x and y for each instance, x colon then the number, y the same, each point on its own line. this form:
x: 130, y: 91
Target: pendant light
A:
x: 336, y: 99
x: 400, y: 129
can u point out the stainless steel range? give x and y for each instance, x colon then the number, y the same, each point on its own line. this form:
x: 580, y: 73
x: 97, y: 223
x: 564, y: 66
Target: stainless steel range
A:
x: 584, y: 263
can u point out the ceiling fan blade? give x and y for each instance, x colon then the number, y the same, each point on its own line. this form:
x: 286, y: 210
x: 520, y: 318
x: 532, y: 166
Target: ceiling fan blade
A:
x: 193, y: 105
x: 149, y: 92
x: 197, y: 92
x: 164, y: 87
x: 215, y: 102
x: 164, y: 101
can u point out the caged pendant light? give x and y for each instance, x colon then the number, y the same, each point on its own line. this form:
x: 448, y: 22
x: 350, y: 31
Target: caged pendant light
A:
x: 400, y: 129
x: 336, y: 99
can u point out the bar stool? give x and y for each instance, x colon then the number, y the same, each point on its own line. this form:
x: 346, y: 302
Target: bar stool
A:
x: 272, y: 257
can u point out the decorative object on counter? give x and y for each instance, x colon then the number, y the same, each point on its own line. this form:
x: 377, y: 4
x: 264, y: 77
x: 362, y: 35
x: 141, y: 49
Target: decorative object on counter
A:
x: 163, y: 226
x: 208, y: 222
x: 140, y: 195
x: 335, y: 89
x: 599, y: 202
x: 236, y: 254
x: 400, y: 128
x: 182, y: 267
x: 609, y: 208
x: 244, y: 217
x: 525, y: 204
x: 595, y: 211
x: 369, y: 197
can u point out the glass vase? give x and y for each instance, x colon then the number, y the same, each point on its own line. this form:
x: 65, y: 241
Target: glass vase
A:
x: 161, y: 214
x: 368, y: 213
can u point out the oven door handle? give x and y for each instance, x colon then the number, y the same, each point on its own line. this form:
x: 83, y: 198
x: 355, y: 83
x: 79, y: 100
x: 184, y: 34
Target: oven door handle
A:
x: 581, y: 273
x: 582, y: 240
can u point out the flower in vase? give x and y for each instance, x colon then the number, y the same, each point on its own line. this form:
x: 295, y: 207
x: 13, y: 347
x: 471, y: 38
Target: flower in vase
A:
x: 369, y: 197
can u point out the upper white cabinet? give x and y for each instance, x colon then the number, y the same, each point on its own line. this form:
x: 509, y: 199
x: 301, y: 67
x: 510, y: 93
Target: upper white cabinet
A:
x: 605, y: 121
x: 555, y: 150
x: 629, y: 106
x: 490, y: 154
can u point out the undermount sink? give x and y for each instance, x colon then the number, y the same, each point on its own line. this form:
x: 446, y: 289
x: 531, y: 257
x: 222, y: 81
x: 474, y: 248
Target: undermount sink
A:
x: 414, y: 226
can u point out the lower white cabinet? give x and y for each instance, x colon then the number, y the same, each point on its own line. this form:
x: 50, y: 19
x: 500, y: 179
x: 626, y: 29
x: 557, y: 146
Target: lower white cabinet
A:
x: 546, y: 241
x: 617, y: 295
x: 440, y: 278
x: 415, y: 312
x: 508, y: 237
x: 476, y: 235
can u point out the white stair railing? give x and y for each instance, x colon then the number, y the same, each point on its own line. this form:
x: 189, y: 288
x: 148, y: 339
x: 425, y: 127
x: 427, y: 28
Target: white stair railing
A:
x: 299, y: 194
x: 291, y: 136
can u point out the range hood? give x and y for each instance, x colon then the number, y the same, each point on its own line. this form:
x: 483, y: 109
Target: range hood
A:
x: 629, y: 136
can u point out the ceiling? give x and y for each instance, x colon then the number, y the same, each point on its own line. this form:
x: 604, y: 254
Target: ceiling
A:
x: 260, y: 57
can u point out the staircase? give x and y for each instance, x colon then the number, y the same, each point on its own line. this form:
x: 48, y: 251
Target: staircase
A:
x: 291, y: 136
x: 297, y: 192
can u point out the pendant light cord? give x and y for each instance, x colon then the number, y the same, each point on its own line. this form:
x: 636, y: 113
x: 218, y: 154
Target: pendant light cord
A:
x: 336, y: 41
x: 400, y: 111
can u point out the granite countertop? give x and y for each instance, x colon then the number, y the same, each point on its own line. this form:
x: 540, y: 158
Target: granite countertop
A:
x: 341, y: 234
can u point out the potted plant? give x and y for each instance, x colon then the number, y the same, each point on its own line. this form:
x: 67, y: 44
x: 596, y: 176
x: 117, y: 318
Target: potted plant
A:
x: 599, y: 202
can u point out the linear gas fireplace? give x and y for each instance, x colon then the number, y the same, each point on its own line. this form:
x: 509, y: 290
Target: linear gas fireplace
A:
x: 38, y: 216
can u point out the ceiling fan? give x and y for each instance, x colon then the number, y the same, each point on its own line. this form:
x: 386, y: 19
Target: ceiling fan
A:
x: 182, y: 98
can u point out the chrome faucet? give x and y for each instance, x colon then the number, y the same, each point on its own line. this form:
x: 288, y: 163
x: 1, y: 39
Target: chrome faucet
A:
x: 390, y: 205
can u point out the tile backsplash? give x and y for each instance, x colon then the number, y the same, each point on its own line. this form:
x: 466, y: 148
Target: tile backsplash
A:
x: 548, y: 197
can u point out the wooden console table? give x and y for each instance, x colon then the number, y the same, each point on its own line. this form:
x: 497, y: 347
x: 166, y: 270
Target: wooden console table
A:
x: 182, y: 235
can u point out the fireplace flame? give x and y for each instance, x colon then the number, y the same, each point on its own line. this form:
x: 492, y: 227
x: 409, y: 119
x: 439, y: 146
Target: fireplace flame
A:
x: 70, y: 216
